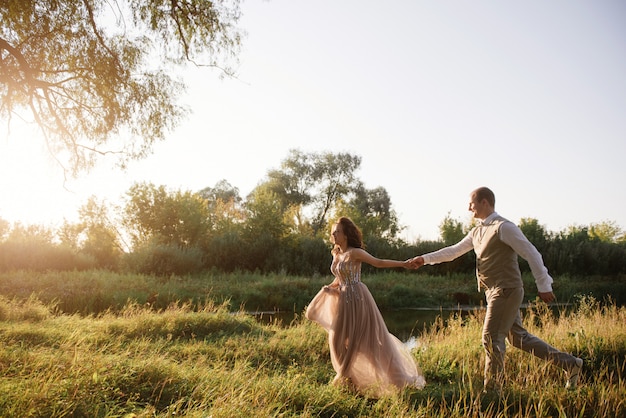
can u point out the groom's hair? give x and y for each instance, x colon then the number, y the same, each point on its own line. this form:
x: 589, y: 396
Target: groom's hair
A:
x: 485, y: 193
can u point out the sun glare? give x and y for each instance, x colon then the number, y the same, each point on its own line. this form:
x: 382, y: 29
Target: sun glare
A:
x: 30, y: 180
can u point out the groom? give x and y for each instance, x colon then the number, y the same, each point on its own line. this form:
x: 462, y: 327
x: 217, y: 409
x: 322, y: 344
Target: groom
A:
x: 497, y: 242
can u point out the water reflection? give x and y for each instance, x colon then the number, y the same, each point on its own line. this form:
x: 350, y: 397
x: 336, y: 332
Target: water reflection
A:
x: 409, y: 323
x: 406, y: 324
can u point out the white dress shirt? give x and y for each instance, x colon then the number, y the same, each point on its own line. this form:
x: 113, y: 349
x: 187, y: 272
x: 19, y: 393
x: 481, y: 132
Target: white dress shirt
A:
x: 511, y: 235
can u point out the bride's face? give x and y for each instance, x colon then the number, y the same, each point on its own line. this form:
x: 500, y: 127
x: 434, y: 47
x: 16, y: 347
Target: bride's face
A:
x: 337, y: 236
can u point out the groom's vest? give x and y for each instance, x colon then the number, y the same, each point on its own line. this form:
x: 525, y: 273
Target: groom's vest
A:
x: 496, y: 263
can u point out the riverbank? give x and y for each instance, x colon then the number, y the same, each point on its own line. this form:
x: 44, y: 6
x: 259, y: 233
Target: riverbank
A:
x: 94, y: 292
x: 410, y: 323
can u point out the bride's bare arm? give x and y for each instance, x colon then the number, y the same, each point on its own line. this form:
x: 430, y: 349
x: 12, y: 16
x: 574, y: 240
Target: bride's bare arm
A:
x: 365, y: 257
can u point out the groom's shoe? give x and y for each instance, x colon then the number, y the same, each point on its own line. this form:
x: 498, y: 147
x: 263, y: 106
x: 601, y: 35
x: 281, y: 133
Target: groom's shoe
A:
x: 574, y: 374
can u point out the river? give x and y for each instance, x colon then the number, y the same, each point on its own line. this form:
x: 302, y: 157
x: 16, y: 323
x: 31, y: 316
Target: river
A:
x: 406, y: 324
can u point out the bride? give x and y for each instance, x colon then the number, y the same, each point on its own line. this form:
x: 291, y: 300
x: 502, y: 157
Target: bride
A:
x: 362, y: 351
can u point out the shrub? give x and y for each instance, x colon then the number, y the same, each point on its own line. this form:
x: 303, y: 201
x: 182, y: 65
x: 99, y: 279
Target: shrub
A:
x: 164, y: 260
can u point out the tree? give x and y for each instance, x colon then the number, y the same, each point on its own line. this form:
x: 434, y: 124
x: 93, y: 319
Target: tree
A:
x: 266, y: 216
x: 93, y: 74
x: 607, y: 231
x: 33, y: 247
x: 371, y: 209
x: 265, y: 230
x: 101, y: 238
x: 334, y: 174
x: 314, y: 181
x: 156, y: 215
x: 224, y: 204
x: 223, y: 191
x: 451, y: 230
x: 292, y: 183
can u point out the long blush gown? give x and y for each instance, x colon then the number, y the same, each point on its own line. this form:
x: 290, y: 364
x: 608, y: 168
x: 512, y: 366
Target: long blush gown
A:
x: 362, y: 351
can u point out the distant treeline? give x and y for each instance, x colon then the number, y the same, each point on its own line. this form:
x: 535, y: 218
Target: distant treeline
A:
x: 280, y: 227
x: 34, y: 248
x: 240, y: 248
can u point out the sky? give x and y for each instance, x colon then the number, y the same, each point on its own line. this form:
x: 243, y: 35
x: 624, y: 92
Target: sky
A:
x: 436, y: 97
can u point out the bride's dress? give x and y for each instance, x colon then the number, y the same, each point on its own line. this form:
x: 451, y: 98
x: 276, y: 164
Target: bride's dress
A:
x: 362, y: 351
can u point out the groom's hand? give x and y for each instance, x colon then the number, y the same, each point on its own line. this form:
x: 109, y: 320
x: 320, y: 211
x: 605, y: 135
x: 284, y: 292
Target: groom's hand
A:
x: 547, y: 297
x: 416, y: 262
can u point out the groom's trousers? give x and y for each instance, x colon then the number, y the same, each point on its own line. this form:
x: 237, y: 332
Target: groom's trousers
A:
x: 503, y: 321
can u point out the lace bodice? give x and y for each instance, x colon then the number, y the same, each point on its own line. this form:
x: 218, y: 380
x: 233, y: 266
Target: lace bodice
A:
x: 345, y: 269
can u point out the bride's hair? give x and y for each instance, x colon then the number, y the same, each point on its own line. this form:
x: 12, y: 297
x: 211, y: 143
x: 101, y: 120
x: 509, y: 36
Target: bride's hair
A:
x: 352, y: 232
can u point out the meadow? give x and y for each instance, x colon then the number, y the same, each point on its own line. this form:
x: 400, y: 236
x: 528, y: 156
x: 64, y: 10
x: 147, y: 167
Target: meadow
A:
x: 208, y: 359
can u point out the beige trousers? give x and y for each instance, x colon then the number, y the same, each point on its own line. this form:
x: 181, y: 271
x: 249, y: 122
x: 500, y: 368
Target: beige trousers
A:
x: 503, y: 321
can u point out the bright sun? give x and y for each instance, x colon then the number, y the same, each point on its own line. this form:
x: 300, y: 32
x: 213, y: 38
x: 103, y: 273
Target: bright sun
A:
x: 31, y: 182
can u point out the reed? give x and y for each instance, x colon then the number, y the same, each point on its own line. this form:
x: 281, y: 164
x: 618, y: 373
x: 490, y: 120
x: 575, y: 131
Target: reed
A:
x: 205, y: 361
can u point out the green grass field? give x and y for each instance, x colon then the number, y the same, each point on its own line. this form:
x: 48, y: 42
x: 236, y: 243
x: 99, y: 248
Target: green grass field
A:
x: 204, y: 360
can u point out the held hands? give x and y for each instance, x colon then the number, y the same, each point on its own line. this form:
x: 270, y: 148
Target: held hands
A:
x: 414, y: 263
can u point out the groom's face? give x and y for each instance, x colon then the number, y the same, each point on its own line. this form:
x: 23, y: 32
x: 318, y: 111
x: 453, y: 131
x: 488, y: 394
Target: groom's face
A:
x: 480, y: 208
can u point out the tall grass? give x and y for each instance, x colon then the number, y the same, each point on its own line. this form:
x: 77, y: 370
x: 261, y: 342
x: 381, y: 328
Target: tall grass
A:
x: 209, y: 362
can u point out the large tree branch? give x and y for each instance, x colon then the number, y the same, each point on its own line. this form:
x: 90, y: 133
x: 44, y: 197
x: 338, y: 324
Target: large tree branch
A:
x: 22, y: 64
x: 96, y: 31
x: 83, y: 86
